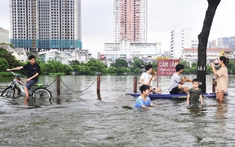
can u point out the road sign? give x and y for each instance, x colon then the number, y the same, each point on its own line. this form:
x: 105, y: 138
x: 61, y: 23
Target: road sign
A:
x: 166, y: 67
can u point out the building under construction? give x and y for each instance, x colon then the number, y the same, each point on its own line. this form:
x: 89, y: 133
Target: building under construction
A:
x: 45, y: 24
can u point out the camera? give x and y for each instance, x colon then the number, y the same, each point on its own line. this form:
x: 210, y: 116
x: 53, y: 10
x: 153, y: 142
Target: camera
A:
x: 216, y: 62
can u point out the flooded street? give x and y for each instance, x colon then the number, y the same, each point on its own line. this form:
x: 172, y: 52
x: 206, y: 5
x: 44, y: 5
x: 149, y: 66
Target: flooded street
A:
x: 83, y: 121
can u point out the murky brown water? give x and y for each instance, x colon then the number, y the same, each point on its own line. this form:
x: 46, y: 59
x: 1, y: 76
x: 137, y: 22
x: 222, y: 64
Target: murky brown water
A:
x: 82, y: 120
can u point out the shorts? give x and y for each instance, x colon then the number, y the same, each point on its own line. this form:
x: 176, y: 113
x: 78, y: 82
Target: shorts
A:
x: 176, y: 90
x: 30, y: 83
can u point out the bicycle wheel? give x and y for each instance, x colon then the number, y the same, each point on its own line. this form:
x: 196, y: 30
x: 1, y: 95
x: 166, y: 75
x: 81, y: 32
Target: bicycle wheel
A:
x: 42, y: 96
x: 9, y: 92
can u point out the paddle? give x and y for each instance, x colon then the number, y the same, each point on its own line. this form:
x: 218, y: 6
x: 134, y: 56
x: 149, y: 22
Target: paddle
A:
x: 152, y: 76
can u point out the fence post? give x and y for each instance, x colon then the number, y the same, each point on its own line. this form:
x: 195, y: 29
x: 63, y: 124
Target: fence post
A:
x: 135, y: 84
x: 58, y: 84
x: 98, y: 86
x: 213, y: 85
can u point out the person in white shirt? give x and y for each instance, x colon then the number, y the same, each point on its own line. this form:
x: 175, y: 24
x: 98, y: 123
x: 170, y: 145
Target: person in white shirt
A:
x: 146, y: 79
x: 176, y: 82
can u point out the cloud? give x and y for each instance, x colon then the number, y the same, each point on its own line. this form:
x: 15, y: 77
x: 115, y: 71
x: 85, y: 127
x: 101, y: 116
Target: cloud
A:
x: 4, y: 14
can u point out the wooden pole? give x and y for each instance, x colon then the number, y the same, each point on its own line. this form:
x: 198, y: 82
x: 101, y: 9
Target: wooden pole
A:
x: 213, y: 85
x: 58, y: 85
x: 135, y: 84
x: 98, y: 86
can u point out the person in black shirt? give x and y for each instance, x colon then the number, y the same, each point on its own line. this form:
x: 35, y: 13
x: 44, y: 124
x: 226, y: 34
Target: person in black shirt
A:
x: 33, y: 71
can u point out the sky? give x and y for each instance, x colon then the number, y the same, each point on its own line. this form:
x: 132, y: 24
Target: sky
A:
x: 163, y: 15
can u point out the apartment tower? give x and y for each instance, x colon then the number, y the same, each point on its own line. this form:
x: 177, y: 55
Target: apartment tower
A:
x: 130, y: 21
x: 45, y: 24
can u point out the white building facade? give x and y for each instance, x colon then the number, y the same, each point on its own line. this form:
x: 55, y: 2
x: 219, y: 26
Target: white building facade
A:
x: 83, y: 56
x: 4, y: 36
x: 65, y: 57
x: 45, y: 24
x: 191, y: 54
x: 126, y: 49
x: 180, y: 39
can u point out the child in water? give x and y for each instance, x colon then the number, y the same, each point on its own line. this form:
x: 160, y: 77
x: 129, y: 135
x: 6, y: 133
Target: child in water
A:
x: 194, y: 94
x: 143, y: 101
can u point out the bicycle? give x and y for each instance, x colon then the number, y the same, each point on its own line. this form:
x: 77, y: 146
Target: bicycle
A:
x: 39, y: 95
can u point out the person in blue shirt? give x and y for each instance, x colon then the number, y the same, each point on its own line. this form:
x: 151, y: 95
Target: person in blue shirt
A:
x: 143, y: 101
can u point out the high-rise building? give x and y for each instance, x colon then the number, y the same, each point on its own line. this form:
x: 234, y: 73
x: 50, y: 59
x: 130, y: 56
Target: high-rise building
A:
x: 232, y: 43
x: 211, y: 44
x: 130, y: 32
x: 223, y: 42
x: 130, y: 21
x: 45, y: 24
x: 4, y: 35
x: 180, y: 39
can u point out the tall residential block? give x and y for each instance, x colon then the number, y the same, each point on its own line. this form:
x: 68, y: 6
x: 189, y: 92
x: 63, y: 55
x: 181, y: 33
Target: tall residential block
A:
x: 4, y: 36
x: 45, y: 24
x: 180, y: 39
x: 130, y: 21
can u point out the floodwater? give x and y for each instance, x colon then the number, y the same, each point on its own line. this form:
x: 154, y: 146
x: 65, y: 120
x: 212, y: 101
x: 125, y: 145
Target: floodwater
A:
x: 77, y: 118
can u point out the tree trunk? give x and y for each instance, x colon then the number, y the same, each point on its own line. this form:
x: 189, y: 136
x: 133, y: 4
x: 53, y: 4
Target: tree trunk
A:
x: 203, y: 39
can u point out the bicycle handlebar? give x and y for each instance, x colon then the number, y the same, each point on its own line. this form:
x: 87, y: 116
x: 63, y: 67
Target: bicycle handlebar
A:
x: 17, y: 75
x: 13, y: 73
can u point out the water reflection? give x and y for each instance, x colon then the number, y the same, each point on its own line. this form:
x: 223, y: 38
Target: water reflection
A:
x: 197, y: 111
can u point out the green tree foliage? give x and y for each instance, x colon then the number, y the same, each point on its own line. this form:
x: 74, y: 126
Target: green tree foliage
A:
x: 120, y: 70
x: 112, y: 70
x: 96, y: 66
x: 3, y: 64
x: 193, y: 68
x: 12, y: 62
x: 137, y: 71
x: 231, y: 67
x: 75, y: 62
x: 154, y: 64
x: 185, y: 63
x: 137, y: 65
x: 120, y: 63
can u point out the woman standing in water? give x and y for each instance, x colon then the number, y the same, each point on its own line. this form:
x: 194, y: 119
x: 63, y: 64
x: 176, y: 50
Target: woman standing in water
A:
x: 221, y: 77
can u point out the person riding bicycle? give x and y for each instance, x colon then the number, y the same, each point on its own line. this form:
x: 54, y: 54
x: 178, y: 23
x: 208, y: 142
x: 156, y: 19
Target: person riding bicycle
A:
x: 33, y: 71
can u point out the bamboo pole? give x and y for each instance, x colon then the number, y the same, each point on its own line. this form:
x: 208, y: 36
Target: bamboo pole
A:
x: 58, y: 84
x: 98, y: 86
x: 135, y: 84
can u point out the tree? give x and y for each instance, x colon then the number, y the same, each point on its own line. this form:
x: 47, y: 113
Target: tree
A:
x: 12, y: 62
x: 120, y: 63
x: 203, y: 39
x: 137, y: 64
x: 3, y: 64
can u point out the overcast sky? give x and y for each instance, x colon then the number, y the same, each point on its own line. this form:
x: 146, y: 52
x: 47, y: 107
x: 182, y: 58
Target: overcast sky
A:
x: 163, y: 15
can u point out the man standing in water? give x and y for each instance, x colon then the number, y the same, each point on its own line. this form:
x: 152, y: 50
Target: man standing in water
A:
x: 33, y: 71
